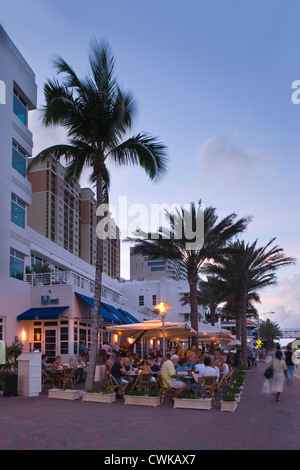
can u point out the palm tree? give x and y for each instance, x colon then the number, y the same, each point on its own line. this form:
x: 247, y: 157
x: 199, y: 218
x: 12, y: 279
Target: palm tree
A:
x: 210, y: 294
x: 97, y: 116
x: 269, y: 332
x: 247, y: 268
x: 174, y: 243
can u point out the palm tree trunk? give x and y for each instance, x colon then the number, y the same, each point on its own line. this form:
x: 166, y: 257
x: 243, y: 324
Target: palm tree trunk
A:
x: 241, y: 313
x: 193, y: 280
x: 97, y: 297
x: 212, y: 315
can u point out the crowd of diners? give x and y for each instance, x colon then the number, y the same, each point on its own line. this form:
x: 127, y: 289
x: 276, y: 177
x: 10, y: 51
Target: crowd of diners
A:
x: 178, y: 368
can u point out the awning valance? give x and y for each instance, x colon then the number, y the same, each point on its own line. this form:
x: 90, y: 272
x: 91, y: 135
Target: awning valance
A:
x: 104, y: 312
x: 47, y: 313
x: 118, y: 313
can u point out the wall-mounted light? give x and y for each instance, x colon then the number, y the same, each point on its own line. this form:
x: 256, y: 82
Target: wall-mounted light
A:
x: 23, y: 335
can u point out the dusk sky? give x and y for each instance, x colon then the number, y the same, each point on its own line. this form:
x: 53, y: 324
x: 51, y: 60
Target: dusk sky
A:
x: 213, y: 80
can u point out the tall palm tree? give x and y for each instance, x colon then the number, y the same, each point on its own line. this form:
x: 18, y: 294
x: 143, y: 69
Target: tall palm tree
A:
x: 246, y: 269
x: 97, y: 116
x: 174, y: 243
x: 269, y: 332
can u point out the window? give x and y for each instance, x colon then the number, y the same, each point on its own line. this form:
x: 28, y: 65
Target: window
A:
x: 153, y: 299
x: 141, y: 300
x: 64, y: 340
x: 37, y: 339
x: 19, y: 158
x: 20, y: 107
x: 16, y: 265
x: 17, y: 211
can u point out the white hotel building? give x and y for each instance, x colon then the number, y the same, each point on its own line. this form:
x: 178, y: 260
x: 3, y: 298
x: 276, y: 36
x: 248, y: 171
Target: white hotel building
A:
x: 52, y: 312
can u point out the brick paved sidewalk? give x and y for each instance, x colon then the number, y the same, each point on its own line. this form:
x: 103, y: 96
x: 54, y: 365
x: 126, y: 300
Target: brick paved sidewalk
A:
x: 258, y: 423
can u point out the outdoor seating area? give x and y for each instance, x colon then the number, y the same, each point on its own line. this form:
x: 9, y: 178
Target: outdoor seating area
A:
x: 61, y: 375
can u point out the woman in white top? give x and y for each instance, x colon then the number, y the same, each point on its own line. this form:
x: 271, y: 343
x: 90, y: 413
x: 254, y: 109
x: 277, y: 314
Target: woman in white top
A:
x: 279, y: 368
x: 224, y: 369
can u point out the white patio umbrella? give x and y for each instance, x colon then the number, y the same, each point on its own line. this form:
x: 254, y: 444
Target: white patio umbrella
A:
x: 151, y: 329
x: 234, y: 342
x: 208, y: 333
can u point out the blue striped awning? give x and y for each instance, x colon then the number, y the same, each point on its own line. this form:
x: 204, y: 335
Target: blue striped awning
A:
x: 131, y: 317
x: 47, y: 313
x: 116, y: 312
x: 104, y: 312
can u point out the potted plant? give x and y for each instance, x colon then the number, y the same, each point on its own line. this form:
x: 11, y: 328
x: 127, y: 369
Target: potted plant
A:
x: 9, y: 371
x: 63, y: 393
x: 186, y: 400
x: 228, y: 402
x: 96, y: 395
x: 139, y: 397
x: 237, y: 392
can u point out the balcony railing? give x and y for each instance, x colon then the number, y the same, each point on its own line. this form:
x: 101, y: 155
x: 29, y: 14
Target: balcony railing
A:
x: 74, y: 279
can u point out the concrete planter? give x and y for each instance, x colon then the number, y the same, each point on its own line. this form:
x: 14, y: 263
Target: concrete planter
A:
x: 99, y: 397
x: 141, y: 400
x: 64, y: 394
x: 229, y: 406
x: 194, y: 404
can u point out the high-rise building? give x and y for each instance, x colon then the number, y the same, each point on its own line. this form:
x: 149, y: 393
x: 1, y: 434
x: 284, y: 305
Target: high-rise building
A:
x: 66, y: 214
x: 143, y: 266
x: 18, y: 97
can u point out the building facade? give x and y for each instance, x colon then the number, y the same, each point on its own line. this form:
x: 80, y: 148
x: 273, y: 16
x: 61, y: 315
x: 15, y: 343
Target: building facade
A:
x: 48, y: 311
x: 66, y: 214
x: 143, y: 266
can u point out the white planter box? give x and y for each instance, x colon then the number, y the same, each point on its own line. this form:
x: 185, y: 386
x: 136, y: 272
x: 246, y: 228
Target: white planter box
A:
x: 99, y: 397
x: 200, y: 404
x: 228, y: 406
x: 141, y: 400
x: 64, y: 394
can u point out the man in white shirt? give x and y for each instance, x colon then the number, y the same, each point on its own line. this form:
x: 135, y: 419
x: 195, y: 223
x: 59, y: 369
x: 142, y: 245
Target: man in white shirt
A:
x: 209, y: 369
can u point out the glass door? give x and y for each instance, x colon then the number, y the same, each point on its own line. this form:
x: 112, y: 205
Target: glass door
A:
x: 50, y: 344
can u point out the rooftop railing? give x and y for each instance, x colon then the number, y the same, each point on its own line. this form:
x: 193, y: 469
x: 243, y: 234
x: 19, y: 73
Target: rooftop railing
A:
x: 74, y: 279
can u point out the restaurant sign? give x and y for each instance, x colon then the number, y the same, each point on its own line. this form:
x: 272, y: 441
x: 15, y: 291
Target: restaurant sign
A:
x: 45, y: 300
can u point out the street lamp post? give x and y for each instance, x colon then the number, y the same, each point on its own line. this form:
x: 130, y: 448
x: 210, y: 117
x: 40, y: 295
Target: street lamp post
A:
x: 162, y: 307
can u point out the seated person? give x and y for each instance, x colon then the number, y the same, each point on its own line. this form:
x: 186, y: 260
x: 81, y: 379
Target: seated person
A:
x: 206, y: 371
x: 191, y: 352
x: 153, y: 368
x: 45, y: 364
x: 209, y: 369
x: 169, y: 376
x: 224, y: 368
x: 111, y: 360
x: 118, y: 371
x: 127, y: 365
x: 82, y: 369
x: 57, y: 364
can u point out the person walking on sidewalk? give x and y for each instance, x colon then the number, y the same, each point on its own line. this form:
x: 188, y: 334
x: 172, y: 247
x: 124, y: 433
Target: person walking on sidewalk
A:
x: 279, y: 369
x: 290, y: 365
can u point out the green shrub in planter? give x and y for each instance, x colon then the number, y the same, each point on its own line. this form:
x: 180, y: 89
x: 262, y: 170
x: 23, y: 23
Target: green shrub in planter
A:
x: 229, y: 396
x: 153, y: 393
x: 135, y: 393
x: 93, y: 390
x: 188, y: 395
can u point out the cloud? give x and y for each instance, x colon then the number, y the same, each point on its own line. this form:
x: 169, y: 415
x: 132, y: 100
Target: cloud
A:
x: 285, y: 302
x: 232, y: 160
x: 44, y: 137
